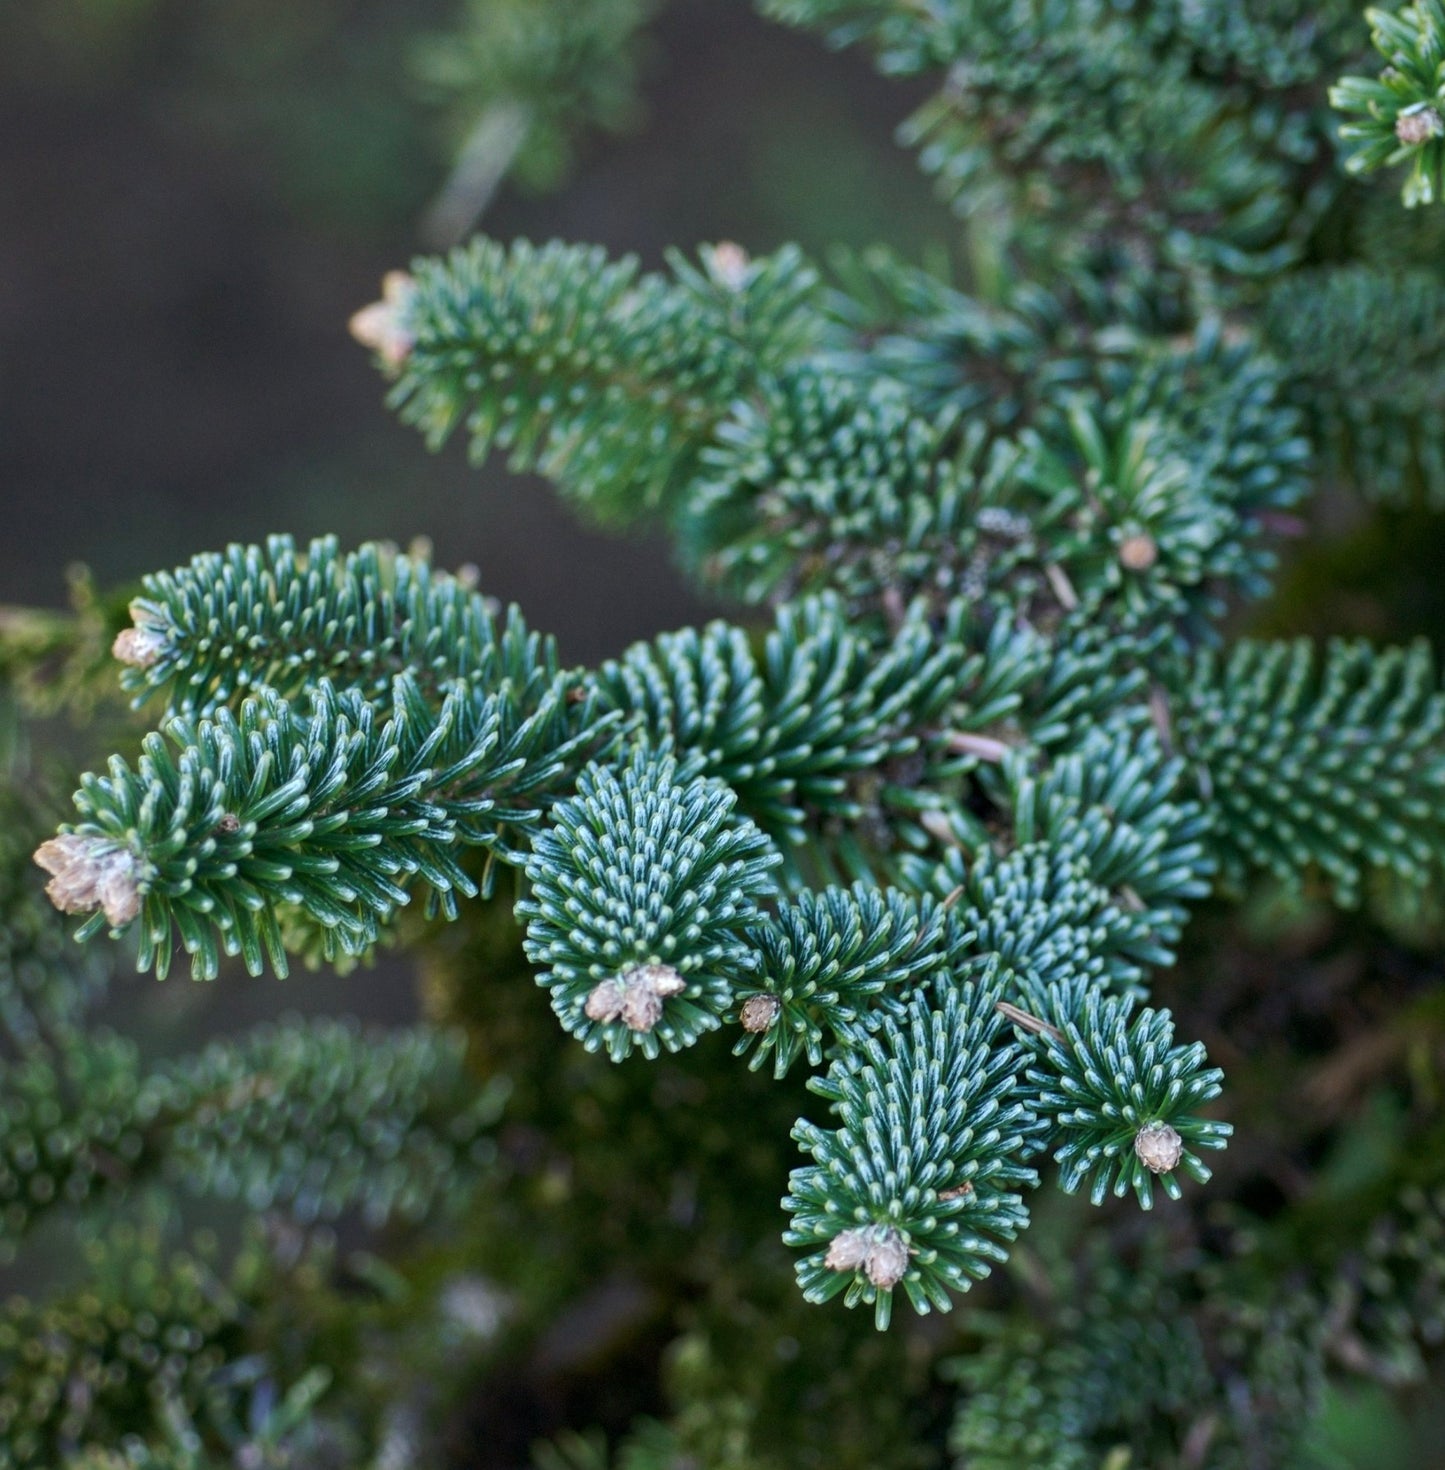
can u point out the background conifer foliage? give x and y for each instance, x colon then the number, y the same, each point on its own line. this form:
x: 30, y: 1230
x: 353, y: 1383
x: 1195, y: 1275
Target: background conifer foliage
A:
x: 1014, y: 881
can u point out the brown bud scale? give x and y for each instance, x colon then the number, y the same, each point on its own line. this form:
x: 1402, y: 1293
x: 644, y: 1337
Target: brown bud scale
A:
x: 634, y: 997
x: 880, y: 1251
x: 1419, y: 126
x: 605, y: 1001
x: 92, y: 873
x: 759, y: 1012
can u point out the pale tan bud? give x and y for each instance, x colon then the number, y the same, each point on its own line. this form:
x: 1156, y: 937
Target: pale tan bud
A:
x: 1159, y: 1147
x: 1419, y: 126
x: 635, y: 996
x: 92, y: 873
x: 879, y: 1250
x: 759, y: 1012
x: 139, y: 646
x: 887, y: 1262
x: 1138, y: 553
x: 641, y: 1008
x: 661, y: 980
x: 848, y: 1250
x: 382, y: 326
x: 730, y: 264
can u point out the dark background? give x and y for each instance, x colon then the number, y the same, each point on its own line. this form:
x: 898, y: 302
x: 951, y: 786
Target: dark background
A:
x: 194, y: 198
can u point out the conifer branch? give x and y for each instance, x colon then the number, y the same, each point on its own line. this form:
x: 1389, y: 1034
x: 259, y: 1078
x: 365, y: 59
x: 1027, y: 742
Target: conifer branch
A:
x: 521, y: 78
x: 925, y: 1108
x: 1141, y: 1353
x: 821, y: 961
x: 928, y: 830
x: 1327, y: 763
x: 606, y: 380
x: 643, y: 888
x: 280, y: 618
x: 1075, y: 113
x: 149, y: 1317
x: 1119, y: 1099
x: 1402, y: 113
x: 317, y: 1118
x: 335, y: 812
x: 1365, y: 347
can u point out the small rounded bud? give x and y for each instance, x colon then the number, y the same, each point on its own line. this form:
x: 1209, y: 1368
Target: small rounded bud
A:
x: 1138, y: 553
x: 847, y: 1251
x: 1159, y: 1147
x: 382, y: 326
x: 1419, y: 125
x: 730, y: 265
x: 759, y: 1012
x: 140, y: 646
x: 228, y: 824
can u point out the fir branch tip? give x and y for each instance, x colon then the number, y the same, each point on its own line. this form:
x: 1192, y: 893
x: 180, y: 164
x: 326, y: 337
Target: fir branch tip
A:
x: 730, y: 265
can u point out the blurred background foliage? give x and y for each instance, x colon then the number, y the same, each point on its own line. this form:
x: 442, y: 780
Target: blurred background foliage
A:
x: 193, y: 198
